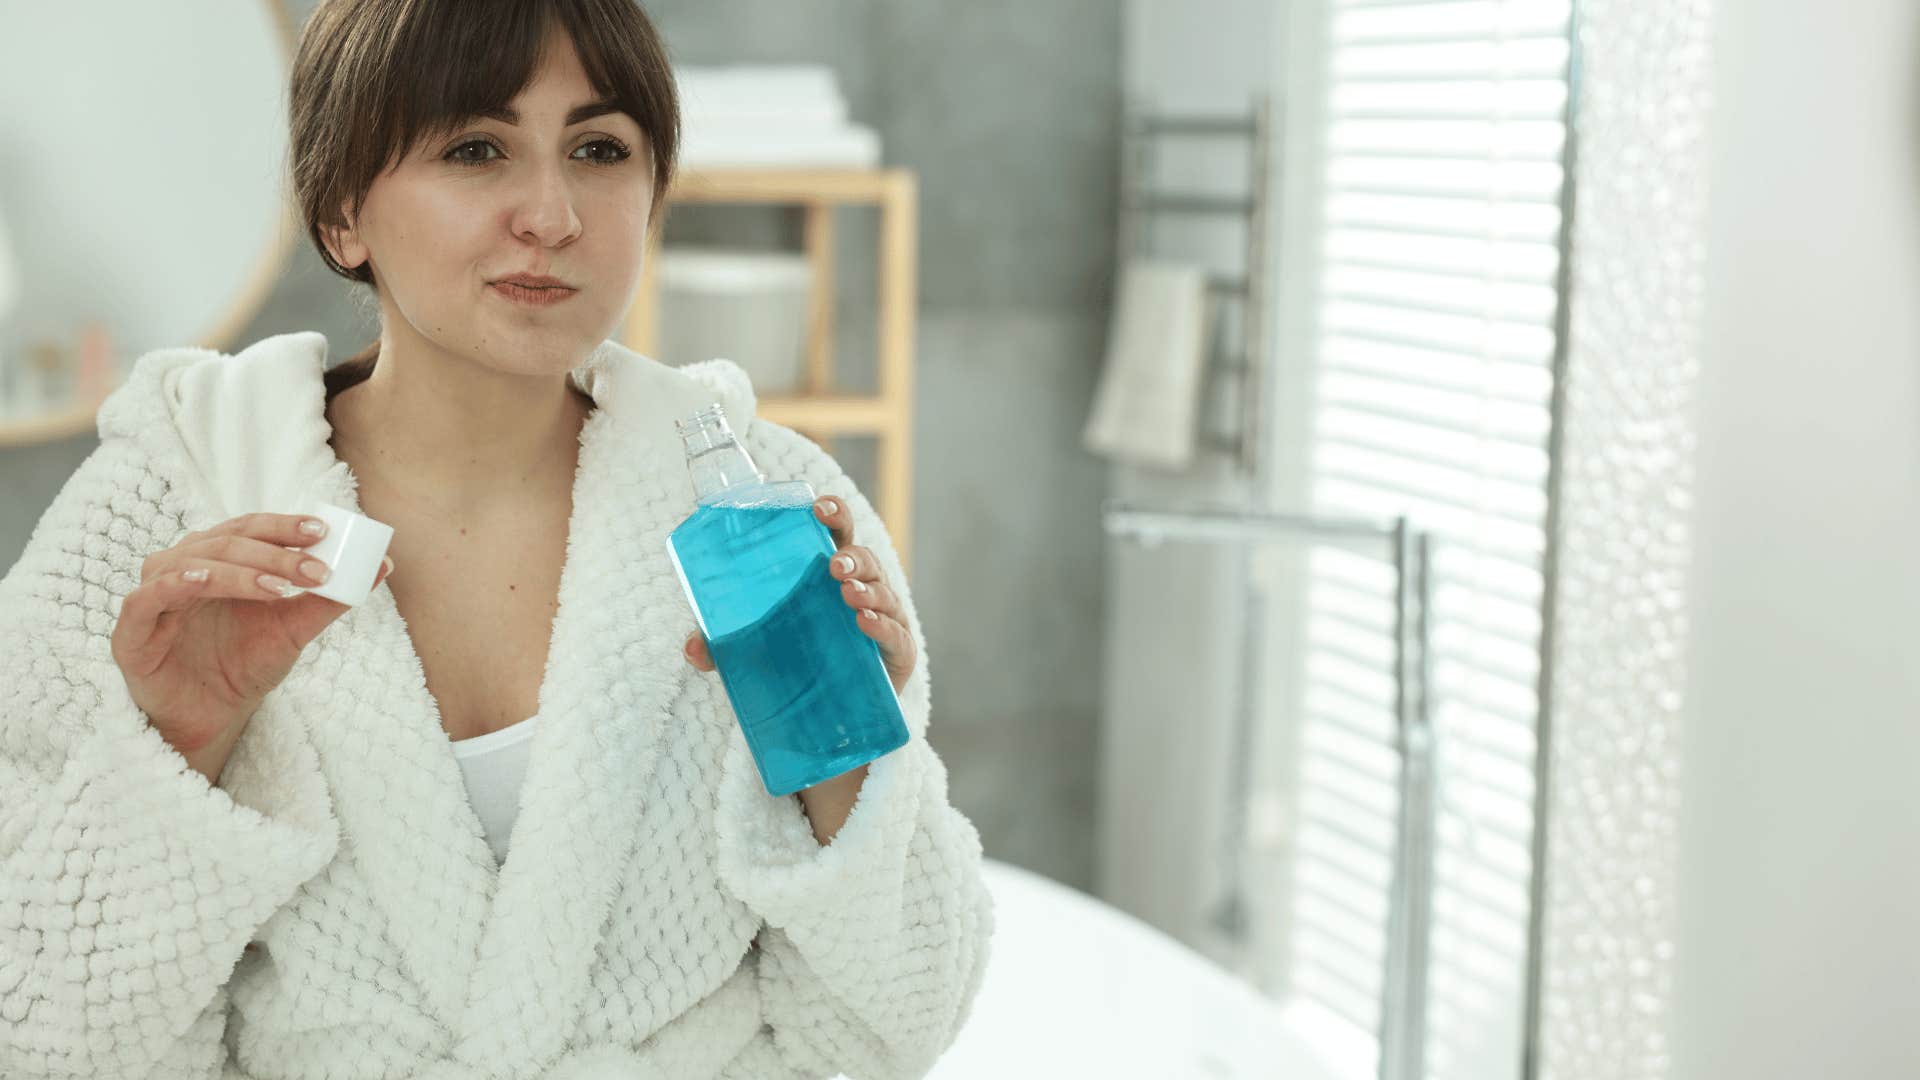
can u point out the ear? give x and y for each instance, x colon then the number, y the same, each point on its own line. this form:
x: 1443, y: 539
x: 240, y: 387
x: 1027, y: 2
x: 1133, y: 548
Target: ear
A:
x: 343, y: 242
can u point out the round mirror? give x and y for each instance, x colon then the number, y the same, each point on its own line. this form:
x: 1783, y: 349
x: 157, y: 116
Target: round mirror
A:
x: 142, y: 149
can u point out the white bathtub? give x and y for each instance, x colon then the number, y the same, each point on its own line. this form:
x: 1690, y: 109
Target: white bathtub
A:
x: 1077, y: 988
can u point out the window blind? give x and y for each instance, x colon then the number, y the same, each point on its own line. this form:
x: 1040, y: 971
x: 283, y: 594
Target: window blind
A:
x: 1437, y: 296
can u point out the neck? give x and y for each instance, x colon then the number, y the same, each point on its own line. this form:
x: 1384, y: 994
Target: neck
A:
x: 456, y: 436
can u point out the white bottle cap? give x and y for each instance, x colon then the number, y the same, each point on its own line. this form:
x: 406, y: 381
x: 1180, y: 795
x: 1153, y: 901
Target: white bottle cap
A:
x: 353, y: 549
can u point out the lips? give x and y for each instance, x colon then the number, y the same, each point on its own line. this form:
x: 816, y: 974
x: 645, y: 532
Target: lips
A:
x: 533, y: 289
x: 533, y: 281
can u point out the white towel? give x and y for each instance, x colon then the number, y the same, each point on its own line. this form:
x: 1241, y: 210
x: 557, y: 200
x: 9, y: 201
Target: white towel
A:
x: 769, y: 113
x: 765, y: 97
x: 1146, y: 406
x: 795, y: 85
x: 851, y: 146
x: 771, y: 116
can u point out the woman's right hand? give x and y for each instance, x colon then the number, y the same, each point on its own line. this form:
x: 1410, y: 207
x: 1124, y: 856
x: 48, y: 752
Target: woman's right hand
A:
x: 202, y: 640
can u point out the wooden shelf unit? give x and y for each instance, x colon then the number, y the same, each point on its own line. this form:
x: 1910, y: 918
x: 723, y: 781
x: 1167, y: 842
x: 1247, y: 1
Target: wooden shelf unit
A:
x: 821, y: 412
x: 53, y: 426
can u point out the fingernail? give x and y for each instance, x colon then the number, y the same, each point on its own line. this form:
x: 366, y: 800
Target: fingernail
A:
x: 845, y: 563
x: 827, y: 506
x: 314, y: 527
x: 316, y: 570
x: 273, y: 583
x: 387, y: 561
x: 858, y: 585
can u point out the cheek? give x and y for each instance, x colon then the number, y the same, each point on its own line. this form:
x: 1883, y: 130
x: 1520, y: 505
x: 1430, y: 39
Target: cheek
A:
x: 631, y: 213
x: 452, y: 224
x: 622, y: 239
x: 432, y: 240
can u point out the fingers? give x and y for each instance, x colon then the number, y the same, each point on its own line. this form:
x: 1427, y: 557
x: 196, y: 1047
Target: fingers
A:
x: 187, y: 581
x: 854, y: 561
x: 250, y: 557
x: 834, y: 513
x: 258, y: 556
x: 285, y: 566
x: 897, y: 649
x: 251, y: 533
x: 896, y: 643
x: 305, y: 616
x: 875, y: 596
x: 877, y: 608
x: 863, y: 586
x: 282, y: 529
x: 862, y: 582
x: 218, y: 579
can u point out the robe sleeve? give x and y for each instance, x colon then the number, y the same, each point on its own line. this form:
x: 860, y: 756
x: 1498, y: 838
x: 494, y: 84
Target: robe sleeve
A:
x: 872, y: 948
x: 129, y: 885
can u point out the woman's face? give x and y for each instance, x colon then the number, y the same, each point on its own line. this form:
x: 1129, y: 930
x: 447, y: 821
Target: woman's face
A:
x: 539, y: 192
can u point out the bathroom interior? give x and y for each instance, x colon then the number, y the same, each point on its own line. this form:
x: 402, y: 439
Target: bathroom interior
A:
x: 1413, y: 503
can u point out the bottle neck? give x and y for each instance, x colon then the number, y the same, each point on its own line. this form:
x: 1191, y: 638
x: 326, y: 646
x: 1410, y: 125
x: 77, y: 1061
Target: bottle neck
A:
x: 716, y: 462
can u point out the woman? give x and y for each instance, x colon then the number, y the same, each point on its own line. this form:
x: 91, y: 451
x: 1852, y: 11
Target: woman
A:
x: 240, y: 835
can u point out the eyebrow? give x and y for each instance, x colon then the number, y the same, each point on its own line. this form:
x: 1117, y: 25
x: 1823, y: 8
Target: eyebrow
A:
x: 506, y: 114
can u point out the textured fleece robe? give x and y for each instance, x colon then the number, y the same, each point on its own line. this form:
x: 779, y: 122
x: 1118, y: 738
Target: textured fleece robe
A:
x: 331, y: 908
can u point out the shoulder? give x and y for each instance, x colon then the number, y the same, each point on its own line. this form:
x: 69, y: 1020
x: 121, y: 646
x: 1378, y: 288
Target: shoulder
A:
x: 113, y: 510
x: 649, y: 395
x: 160, y: 381
x: 730, y: 382
x: 125, y: 499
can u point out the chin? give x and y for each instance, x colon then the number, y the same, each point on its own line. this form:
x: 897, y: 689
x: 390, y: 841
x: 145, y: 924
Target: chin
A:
x: 546, y: 351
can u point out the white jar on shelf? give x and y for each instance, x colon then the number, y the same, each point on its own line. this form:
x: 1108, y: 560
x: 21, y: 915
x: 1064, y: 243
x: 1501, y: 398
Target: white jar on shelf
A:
x: 747, y: 306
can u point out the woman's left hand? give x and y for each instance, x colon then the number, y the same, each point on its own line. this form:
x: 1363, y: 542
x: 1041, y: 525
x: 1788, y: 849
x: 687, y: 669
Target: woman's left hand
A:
x: 864, y: 588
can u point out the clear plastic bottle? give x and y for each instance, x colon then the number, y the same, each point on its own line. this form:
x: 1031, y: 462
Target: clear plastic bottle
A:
x: 809, y: 689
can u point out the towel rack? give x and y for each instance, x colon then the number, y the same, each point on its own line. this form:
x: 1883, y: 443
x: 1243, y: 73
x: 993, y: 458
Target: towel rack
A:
x: 1139, y: 203
x: 1402, y: 1033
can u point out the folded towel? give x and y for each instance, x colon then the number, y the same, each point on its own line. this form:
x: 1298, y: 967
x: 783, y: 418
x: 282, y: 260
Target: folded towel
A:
x: 797, y: 83
x: 773, y: 96
x: 769, y: 115
x: 850, y: 147
x: 1145, y: 408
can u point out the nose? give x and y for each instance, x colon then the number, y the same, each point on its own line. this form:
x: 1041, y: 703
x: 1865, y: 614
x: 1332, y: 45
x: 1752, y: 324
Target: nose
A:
x: 543, y: 211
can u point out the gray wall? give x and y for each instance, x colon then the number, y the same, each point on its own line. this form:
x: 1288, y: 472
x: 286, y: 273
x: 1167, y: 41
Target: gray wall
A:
x: 1009, y: 114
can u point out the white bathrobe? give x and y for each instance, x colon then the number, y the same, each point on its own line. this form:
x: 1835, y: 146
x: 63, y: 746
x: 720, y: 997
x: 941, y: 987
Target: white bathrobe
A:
x: 332, y: 908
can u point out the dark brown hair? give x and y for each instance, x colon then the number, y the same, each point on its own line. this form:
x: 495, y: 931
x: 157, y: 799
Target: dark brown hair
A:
x: 373, y: 77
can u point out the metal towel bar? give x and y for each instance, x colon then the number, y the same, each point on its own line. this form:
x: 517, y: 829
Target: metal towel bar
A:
x: 1138, y: 206
x: 1409, y: 912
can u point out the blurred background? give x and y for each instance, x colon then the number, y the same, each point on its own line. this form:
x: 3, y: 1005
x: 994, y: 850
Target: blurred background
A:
x: 1412, y: 502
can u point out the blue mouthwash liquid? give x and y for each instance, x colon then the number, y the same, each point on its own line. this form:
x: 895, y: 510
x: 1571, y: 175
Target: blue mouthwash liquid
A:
x: 809, y: 689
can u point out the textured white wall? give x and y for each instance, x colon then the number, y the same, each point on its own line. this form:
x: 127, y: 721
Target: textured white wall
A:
x: 1799, y: 880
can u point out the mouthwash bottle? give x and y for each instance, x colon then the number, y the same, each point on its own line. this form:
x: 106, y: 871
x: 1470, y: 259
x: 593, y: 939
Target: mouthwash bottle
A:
x: 809, y: 689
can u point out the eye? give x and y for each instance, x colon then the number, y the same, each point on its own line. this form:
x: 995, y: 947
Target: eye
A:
x: 454, y: 155
x: 609, y: 152
x: 615, y: 151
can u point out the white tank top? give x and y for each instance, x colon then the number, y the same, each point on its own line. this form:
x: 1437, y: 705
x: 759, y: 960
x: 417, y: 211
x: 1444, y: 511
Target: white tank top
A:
x: 495, y: 765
